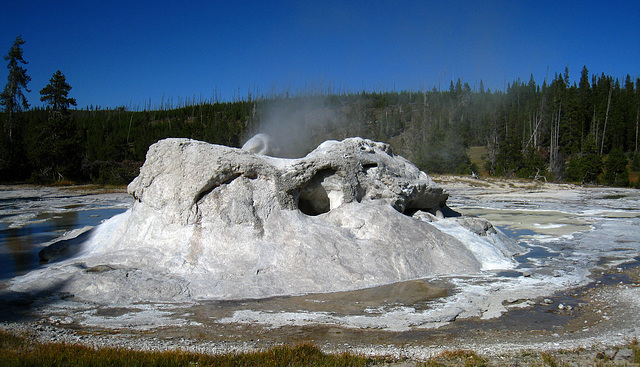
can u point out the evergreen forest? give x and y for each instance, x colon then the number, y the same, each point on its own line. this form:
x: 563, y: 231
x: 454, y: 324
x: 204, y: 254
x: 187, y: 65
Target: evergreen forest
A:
x: 583, y: 131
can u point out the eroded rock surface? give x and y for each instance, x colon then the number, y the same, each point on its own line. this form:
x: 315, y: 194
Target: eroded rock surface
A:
x: 214, y: 222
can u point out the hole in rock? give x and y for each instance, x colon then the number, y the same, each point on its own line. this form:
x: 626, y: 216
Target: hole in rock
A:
x: 314, y: 202
x: 314, y: 198
x: 366, y: 167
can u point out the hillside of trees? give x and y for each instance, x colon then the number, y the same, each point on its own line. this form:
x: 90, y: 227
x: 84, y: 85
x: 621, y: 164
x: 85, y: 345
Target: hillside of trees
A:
x: 583, y: 131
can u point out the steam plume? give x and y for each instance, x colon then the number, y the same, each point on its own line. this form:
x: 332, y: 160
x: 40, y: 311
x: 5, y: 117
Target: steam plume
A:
x: 295, y: 124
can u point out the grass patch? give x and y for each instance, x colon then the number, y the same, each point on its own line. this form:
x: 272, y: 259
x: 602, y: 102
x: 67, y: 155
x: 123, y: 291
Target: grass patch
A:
x: 17, y: 351
x: 455, y: 358
x: 548, y: 360
x: 635, y: 347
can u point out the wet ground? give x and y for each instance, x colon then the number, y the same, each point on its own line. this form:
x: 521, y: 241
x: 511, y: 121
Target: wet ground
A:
x: 580, y: 326
x: 577, y: 286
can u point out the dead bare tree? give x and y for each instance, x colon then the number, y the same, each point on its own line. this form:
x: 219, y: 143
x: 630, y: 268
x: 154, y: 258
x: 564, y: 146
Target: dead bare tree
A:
x: 637, y: 124
x: 595, y: 125
x: 606, y: 119
x: 555, y: 138
x: 538, y: 176
x: 537, y: 117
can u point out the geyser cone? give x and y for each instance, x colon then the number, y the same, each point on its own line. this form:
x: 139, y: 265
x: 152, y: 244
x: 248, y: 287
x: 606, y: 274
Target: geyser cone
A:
x: 214, y: 222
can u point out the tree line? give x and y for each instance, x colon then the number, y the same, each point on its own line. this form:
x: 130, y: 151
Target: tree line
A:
x: 582, y: 131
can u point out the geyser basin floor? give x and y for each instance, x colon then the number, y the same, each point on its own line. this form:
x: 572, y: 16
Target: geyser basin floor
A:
x: 600, y: 316
x: 564, y: 267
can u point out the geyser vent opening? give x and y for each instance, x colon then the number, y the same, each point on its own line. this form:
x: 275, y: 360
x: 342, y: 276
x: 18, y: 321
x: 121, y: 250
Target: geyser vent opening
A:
x: 314, y: 202
x: 313, y: 198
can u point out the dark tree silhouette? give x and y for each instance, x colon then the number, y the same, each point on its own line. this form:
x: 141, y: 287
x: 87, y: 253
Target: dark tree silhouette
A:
x: 56, y: 93
x: 13, y: 101
x: 12, y: 97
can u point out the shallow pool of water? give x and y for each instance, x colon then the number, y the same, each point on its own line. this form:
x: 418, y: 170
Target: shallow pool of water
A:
x: 31, y: 217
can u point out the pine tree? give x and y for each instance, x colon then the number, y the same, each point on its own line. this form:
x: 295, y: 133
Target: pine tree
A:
x: 584, y: 113
x: 59, y: 154
x: 616, y: 172
x: 56, y: 93
x: 13, y: 101
x: 12, y: 97
x: 587, y: 166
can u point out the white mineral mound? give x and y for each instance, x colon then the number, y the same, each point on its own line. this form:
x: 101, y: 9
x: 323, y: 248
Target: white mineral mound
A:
x: 214, y: 222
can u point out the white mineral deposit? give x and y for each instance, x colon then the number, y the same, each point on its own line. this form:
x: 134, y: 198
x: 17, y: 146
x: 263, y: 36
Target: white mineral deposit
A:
x: 213, y: 222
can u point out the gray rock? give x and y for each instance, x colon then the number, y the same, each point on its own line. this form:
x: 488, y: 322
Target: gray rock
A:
x: 66, y: 246
x: 478, y: 226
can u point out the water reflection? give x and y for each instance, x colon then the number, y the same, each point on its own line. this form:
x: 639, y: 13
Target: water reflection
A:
x: 16, y: 252
x: 19, y: 246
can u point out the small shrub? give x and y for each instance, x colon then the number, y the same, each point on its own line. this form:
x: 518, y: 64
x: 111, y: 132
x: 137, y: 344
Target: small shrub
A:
x: 548, y: 360
x: 635, y: 162
x: 616, y: 172
x: 635, y: 346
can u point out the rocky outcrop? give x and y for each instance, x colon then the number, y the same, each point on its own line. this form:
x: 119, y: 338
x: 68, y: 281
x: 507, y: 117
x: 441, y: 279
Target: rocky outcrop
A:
x: 179, y: 175
x: 214, y: 222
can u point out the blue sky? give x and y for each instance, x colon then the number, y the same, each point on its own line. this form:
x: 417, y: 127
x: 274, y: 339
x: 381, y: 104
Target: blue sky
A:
x: 116, y: 53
